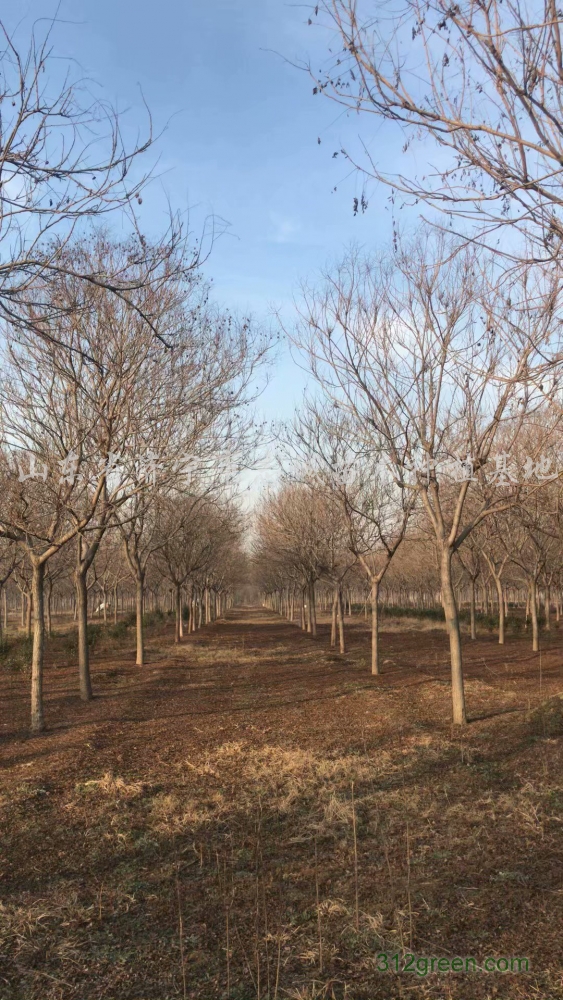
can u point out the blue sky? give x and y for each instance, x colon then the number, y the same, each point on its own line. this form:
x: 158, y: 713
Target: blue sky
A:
x: 241, y: 129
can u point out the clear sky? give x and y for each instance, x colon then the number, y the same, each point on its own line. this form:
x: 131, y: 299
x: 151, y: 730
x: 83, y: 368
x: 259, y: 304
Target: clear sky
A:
x: 241, y: 138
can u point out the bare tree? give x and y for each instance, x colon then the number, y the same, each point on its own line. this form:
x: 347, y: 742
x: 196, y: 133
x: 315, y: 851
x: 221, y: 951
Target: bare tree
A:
x: 291, y: 542
x: 470, y: 558
x: 496, y: 558
x: 405, y: 346
x: 374, y: 506
x: 185, y: 546
x: 484, y: 81
x: 63, y: 163
x: 10, y: 559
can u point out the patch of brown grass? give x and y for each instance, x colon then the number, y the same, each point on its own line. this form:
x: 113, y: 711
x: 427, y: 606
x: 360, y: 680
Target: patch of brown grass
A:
x: 165, y: 806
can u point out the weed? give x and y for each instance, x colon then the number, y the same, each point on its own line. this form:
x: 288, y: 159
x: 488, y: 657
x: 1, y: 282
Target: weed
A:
x: 15, y: 654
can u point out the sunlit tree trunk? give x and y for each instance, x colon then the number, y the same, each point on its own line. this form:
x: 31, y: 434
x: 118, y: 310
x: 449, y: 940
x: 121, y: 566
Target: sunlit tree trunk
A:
x: 28, y: 610
x: 83, y: 651
x: 533, y: 602
x: 341, y: 640
x: 333, y: 620
x: 500, y: 596
x: 178, y: 606
x: 452, y: 625
x: 49, y: 617
x: 37, y: 718
x: 139, y: 619
x: 312, y: 609
x: 375, y: 627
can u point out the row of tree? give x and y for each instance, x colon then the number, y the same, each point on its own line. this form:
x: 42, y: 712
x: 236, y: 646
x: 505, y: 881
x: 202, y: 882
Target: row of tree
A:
x: 305, y: 559
x: 107, y: 431
x: 438, y: 418
x: 124, y: 394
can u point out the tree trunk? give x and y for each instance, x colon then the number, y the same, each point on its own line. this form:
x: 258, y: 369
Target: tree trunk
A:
x: 341, y: 622
x: 49, y: 621
x: 139, y: 617
x: 500, y: 595
x: 115, y: 605
x: 533, y: 602
x: 303, y: 626
x: 28, y: 609
x: 472, y: 610
x: 178, y: 603
x: 452, y: 624
x: 375, y: 627
x: 312, y: 609
x: 83, y: 651
x: 37, y: 720
x: 333, y: 618
x: 547, y: 607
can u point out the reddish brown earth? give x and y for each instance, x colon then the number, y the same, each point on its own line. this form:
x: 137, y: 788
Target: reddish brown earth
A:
x: 252, y: 815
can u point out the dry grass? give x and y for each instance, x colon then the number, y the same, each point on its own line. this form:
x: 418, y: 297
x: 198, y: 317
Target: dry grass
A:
x: 194, y: 833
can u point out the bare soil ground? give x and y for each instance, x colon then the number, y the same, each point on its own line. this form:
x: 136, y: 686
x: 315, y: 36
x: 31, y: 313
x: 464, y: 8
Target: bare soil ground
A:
x: 253, y: 816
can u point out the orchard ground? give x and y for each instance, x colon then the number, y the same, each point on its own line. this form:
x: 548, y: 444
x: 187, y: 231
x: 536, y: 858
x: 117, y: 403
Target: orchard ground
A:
x: 251, y: 815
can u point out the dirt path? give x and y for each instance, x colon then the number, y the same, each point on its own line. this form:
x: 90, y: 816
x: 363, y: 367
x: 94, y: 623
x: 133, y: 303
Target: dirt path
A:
x: 203, y: 786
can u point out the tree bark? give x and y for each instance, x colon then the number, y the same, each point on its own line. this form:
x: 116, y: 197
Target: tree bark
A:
x: 333, y: 620
x: 375, y: 627
x: 139, y: 618
x: 500, y: 594
x: 81, y: 589
x: 472, y: 610
x: 49, y: 621
x: 452, y: 625
x: 341, y: 640
x: 37, y: 719
x: 178, y: 603
x: 312, y: 609
x: 28, y: 609
x: 534, y: 613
